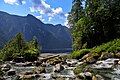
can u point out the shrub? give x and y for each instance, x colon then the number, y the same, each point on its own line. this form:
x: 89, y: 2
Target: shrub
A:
x: 79, y: 54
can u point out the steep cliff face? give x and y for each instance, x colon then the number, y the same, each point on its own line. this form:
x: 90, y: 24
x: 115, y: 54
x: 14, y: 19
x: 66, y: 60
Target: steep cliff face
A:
x: 49, y: 36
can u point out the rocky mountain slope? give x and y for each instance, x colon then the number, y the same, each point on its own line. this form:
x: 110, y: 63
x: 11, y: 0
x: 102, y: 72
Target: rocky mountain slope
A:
x: 49, y: 36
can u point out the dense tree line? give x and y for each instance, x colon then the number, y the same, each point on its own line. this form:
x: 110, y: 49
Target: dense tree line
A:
x: 94, y: 22
x: 18, y: 47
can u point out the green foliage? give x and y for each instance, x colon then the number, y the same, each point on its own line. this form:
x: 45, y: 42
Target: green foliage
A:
x: 110, y: 48
x: 79, y: 54
x: 17, y: 47
x: 97, y: 23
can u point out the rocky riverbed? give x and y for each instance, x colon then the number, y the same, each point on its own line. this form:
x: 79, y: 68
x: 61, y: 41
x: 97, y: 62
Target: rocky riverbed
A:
x: 55, y: 67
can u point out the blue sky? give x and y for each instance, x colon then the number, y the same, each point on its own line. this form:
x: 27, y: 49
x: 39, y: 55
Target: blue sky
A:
x: 48, y: 11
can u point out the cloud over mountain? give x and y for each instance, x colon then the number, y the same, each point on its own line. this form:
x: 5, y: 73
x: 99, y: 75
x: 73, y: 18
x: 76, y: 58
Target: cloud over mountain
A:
x: 43, y: 8
x: 17, y: 2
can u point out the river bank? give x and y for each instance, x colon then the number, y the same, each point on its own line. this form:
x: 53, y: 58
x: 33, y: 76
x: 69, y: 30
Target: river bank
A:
x: 55, y: 67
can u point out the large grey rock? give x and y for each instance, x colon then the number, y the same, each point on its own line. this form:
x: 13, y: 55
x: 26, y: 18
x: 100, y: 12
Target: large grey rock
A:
x: 58, y: 68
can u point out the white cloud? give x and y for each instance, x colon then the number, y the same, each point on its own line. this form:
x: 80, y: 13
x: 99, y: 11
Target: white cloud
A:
x: 40, y: 18
x: 17, y: 2
x: 10, y: 1
x: 49, y: 19
x: 23, y: 2
x: 45, y: 9
x: 66, y: 21
x: 57, y: 10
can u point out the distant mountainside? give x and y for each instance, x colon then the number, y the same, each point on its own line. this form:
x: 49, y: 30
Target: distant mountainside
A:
x: 49, y: 36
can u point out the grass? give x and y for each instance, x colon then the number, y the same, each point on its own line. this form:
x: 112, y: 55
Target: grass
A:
x: 80, y: 53
x: 109, y: 47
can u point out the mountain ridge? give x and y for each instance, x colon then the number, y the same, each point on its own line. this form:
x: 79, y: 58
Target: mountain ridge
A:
x: 49, y: 36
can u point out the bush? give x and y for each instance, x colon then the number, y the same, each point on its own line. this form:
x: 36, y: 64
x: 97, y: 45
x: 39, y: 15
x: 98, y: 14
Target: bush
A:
x: 79, y: 54
x: 18, y: 47
x: 31, y: 55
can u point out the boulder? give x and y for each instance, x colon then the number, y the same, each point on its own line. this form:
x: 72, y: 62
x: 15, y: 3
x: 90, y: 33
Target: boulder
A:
x: 81, y: 76
x: 54, y: 61
x: 37, y: 63
x: 119, y: 62
x: 106, y: 55
x: 90, y: 60
x: 11, y: 72
x: 117, y: 55
x: 58, y: 68
x: 40, y: 70
x: 88, y: 75
x: 98, y: 77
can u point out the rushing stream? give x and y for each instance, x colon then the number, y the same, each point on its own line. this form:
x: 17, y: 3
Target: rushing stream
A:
x: 104, y: 70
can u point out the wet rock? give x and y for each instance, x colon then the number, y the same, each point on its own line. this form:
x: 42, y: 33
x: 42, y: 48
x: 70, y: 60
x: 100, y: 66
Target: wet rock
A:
x: 37, y: 63
x: 99, y: 77
x: 11, y: 72
x: 90, y: 60
x: 81, y: 76
x: 27, y: 73
x: 19, y: 64
x: 88, y: 75
x: 27, y: 77
x: 54, y: 61
x: 94, y: 78
x: 43, y: 64
x: 1, y: 78
x: 27, y: 64
x: 19, y: 59
x: 6, y: 67
x: 106, y: 55
x: 117, y: 55
x: 58, y: 68
x: 40, y: 70
x: 119, y: 62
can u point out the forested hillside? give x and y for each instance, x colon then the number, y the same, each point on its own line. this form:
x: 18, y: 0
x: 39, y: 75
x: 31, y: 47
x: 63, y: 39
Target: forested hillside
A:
x: 94, y: 22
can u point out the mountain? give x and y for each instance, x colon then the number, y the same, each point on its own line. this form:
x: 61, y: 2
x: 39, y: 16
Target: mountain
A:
x: 49, y: 36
